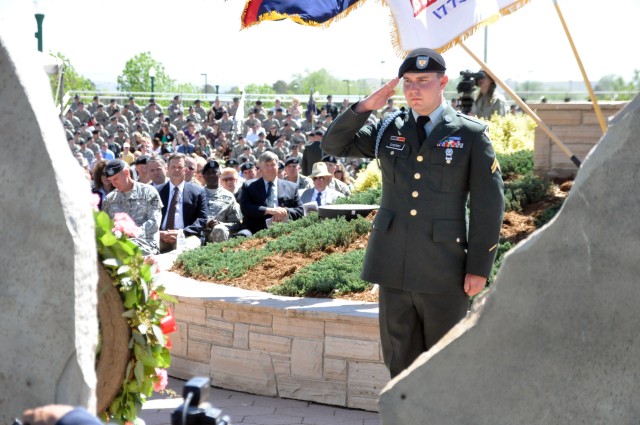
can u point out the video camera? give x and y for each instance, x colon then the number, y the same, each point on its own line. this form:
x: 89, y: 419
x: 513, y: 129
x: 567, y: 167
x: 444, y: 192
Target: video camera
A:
x: 192, y: 411
x: 465, y: 88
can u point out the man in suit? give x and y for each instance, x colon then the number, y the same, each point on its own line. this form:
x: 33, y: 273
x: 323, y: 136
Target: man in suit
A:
x: 420, y: 252
x: 184, y: 208
x: 320, y: 193
x: 269, y: 197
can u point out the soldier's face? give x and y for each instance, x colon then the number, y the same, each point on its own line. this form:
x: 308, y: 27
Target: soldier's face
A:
x: 120, y: 180
x: 157, y: 172
x: 423, y: 90
x: 211, y: 177
x: 291, y: 170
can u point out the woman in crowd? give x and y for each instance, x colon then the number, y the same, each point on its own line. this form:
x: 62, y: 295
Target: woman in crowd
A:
x: 341, y: 174
x: 203, y: 149
x: 273, y: 135
x: 101, y: 185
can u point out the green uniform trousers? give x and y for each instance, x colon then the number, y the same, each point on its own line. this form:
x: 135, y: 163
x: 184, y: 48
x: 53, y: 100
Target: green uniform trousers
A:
x: 412, y: 322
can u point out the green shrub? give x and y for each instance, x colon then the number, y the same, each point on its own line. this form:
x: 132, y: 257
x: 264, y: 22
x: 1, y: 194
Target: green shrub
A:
x: 547, y: 215
x: 279, y: 229
x: 335, y: 273
x: 370, y: 196
x: 523, y: 191
x: 516, y: 163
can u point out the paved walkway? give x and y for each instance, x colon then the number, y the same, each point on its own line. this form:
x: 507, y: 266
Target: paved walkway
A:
x: 252, y: 409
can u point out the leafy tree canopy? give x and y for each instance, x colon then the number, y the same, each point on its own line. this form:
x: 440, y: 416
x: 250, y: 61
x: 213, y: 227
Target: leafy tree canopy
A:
x: 135, y: 75
x: 73, y: 82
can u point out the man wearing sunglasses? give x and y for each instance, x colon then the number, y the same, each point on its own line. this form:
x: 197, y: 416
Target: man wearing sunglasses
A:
x: 420, y: 252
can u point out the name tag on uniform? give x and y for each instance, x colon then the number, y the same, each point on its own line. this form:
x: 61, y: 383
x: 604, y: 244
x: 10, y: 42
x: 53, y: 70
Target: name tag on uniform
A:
x: 396, y: 143
x: 451, y: 142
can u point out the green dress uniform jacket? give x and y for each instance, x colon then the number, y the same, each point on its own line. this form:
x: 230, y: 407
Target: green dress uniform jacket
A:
x: 421, y: 239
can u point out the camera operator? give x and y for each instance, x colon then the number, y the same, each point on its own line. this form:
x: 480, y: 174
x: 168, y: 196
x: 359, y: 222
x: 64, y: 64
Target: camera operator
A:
x: 488, y: 102
x: 56, y: 414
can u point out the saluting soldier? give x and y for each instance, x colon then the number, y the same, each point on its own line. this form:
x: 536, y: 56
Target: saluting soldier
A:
x: 420, y: 252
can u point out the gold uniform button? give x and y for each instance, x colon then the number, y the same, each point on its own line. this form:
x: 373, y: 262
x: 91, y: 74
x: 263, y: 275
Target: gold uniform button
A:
x: 416, y: 176
x: 420, y: 158
x: 392, y: 153
x: 413, y: 212
x: 414, y: 193
x: 458, y: 240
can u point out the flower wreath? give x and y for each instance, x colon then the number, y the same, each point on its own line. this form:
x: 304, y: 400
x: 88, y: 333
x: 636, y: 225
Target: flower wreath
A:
x: 147, y: 314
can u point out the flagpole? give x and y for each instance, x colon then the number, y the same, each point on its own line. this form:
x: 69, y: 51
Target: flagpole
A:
x: 594, y: 100
x: 523, y: 106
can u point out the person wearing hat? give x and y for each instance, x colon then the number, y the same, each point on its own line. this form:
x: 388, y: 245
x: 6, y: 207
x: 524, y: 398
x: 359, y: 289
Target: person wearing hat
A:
x: 86, y: 153
x: 292, y: 173
x: 82, y: 114
x: 248, y: 170
x: 133, y: 106
x: 72, y: 119
x: 488, y: 101
x: 93, y: 106
x: 224, y: 218
x: 141, y: 201
x: 312, y: 152
x: 141, y: 169
x: 331, y: 162
x: 432, y: 159
x: 268, y: 197
x: 100, y: 116
x: 321, y: 193
x: 126, y: 155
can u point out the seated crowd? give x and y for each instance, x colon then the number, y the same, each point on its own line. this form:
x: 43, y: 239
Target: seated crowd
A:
x: 202, y: 174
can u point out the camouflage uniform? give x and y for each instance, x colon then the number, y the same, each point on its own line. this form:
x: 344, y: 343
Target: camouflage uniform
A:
x: 102, y: 117
x: 83, y: 115
x: 143, y: 125
x: 304, y: 182
x: 112, y: 128
x: 269, y: 122
x: 151, y: 115
x: 127, y: 113
x: 144, y: 206
x: 222, y: 207
x: 298, y: 138
x: 75, y: 121
x: 179, y: 122
x: 226, y: 125
x: 200, y: 111
x: 173, y: 109
x: 340, y: 187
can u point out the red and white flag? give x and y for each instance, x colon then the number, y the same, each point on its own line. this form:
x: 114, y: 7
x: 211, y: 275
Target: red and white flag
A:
x: 441, y: 24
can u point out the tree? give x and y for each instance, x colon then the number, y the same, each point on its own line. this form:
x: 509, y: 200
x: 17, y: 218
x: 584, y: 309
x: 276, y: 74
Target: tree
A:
x: 73, y: 82
x: 281, y: 87
x: 135, y: 75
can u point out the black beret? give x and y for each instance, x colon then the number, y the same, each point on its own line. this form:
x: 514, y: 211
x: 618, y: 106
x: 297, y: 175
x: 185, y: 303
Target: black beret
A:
x: 318, y: 133
x: 114, y: 167
x: 214, y: 165
x: 329, y: 158
x: 95, y: 132
x: 232, y: 163
x: 280, y: 165
x: 247, y: 166
x: 422, y: 60
x: 142, y: 159
x: 291, y: 160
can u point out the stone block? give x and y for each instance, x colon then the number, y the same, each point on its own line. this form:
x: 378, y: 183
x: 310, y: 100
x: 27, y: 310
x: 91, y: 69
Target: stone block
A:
x: 306, y: 358
x: 186, y: 369
x: 300, y: 328
x: 237, y: 315
x: 179, y: 339
x: 241, y: 336
x: 335, y: 369
x: 560, y: 117
x: 281, y: 364
x: 48, y: 295
x: 212, y: 335
x: 199, y: 351
x: 365, y: 382
x: 240, y: 370
x: 269, y: 343
x: 352, y: 330
x: 327, y: 392
x: 352, y: 349
x: 214, y: 313
x: 190, y: 313
x: 555, y: 341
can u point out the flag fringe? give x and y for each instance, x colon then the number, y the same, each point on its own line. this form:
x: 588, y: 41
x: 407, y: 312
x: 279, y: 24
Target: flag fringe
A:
x: 277, y: 16
x: 396, y: 41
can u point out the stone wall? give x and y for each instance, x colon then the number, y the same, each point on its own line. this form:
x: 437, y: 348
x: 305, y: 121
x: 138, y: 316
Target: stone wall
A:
x: 576, y: 125
x: 319, y: 350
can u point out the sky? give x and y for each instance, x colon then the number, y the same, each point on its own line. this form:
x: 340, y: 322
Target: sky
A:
x: 195, y: 37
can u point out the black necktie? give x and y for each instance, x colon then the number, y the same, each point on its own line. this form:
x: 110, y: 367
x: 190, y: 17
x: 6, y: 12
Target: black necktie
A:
x: 422, y: 133
x: 171, y: 214
x: 271, y: 196
x: 319, y: 199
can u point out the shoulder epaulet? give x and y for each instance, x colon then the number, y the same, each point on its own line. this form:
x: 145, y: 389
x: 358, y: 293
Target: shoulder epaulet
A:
x: 384, y: 124
x: 472, y: 119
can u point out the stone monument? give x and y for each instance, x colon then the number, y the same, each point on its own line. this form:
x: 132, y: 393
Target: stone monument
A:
x: 556, y: 339
x: 48, y: 275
